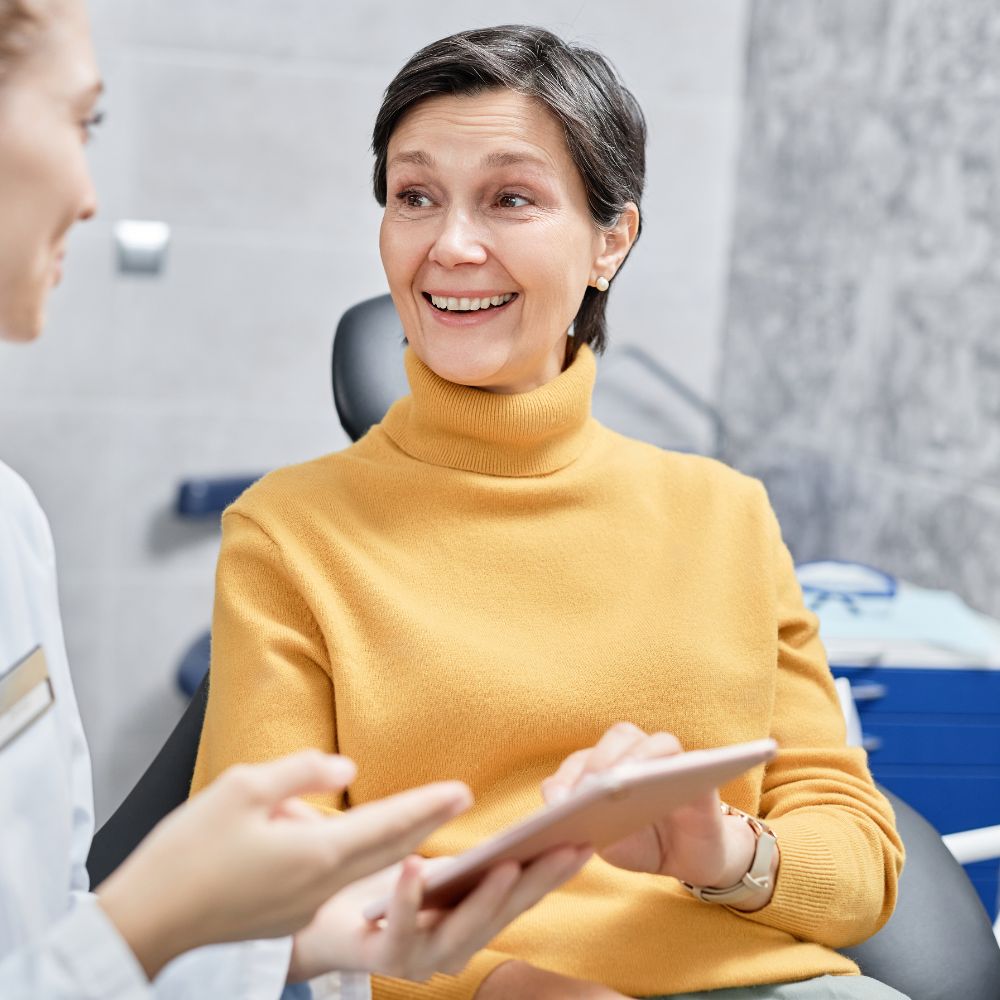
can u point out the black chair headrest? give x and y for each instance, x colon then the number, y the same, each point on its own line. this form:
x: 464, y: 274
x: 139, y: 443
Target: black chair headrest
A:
x: 368, y: 373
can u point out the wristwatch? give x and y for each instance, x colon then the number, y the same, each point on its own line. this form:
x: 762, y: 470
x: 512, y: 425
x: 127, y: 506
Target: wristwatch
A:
x: 756, y: 885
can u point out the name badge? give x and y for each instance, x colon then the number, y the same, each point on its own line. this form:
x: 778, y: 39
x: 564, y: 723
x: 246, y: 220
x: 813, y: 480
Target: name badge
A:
x: 25, y: 693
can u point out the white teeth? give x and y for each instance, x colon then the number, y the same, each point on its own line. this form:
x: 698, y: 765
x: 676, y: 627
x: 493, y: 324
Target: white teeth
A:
x: 453, y: 304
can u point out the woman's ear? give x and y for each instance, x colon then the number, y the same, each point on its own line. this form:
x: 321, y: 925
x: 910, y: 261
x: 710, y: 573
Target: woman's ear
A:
x: 615, y: 244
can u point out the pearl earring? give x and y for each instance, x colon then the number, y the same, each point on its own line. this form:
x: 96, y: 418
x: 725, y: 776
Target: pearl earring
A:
x: 602, y: 284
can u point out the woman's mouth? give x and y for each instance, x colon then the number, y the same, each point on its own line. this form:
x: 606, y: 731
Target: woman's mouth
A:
x: 469, y: 304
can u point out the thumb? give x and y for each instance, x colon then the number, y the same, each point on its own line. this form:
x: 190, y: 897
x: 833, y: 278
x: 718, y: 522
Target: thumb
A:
x: 299, y: 774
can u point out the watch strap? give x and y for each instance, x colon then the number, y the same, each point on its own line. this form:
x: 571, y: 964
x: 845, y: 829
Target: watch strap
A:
x: 756, y: 885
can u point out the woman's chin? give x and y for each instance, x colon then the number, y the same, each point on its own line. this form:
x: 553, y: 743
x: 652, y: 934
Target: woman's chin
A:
x: 21, y: 327
x: 464, y: 362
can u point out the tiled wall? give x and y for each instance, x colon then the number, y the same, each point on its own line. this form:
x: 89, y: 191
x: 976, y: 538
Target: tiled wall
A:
x: 861, y: 374
x: 245, y: 124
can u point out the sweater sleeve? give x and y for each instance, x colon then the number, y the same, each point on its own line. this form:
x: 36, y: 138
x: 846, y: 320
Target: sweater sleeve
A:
x: 442, y: 987
x: 840, y: 854
x: 270, y: 692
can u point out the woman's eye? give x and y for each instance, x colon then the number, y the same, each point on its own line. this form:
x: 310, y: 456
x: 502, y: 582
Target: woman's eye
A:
x: 510, y: 200
x: 413, y: 199
x: 90, y: 124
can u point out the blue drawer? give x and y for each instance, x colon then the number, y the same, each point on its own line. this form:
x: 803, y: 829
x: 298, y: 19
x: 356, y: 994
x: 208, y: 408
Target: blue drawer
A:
x: 908, y: 690
x: 916, y: 740
x: 949, y: 801
x: 934, y: 740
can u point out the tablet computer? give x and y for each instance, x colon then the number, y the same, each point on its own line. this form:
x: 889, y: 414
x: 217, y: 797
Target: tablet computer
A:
x: 605, y: 808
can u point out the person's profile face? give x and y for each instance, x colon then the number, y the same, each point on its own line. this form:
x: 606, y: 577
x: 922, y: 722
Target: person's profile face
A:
x: 484, y: 202
x: 47, y: 100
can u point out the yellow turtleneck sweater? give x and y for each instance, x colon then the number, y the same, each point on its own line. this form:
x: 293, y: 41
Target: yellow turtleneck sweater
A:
x: 484, y: 584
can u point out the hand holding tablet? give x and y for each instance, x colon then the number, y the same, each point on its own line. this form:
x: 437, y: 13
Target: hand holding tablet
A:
x: 605, y: 808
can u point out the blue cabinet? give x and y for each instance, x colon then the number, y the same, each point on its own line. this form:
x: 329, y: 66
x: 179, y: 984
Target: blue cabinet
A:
x: 933, y: 738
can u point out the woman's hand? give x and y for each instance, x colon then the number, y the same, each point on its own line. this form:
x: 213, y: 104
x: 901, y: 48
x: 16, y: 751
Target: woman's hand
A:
x: 245, y: 859
x: 412, y: 943
x: 696, y: 843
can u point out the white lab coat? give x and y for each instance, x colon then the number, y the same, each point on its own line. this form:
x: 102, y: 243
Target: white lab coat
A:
x: 55, y: 942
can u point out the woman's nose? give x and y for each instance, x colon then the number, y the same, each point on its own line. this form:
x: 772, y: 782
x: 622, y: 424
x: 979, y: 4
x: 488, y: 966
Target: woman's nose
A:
x: 460, y: 241
x: 88, y: 199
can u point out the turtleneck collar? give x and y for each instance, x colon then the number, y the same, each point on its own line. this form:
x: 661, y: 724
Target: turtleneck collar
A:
x: 525, y: 434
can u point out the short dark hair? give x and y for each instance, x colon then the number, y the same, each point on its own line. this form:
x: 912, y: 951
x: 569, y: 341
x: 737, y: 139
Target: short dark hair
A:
x: 604, y: 125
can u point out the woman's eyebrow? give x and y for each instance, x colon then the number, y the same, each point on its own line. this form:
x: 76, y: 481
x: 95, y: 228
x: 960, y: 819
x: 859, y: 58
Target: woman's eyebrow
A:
x: 492, y: 161
x: 415, y: 157
x: 495, y: 160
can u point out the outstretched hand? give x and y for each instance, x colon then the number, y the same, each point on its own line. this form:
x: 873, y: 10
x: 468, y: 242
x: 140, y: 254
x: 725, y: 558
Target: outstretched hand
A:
x: 247, y: 859
x: 412, y: 943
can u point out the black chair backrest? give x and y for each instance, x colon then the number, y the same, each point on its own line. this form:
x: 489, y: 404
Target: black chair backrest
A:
x: 164, y: 785
x: 367, y: 369
x: 938, y: 944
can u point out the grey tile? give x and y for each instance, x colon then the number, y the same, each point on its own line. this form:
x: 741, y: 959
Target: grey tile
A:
x: 804, y: 488
x: 160, y: 450
x: 784, y: 331
x: 940, y: 412
x: 668, y: 298
x: 691, y: 166
x: 924, y: 530
x: 672, y: 315
x: 673, y: 45
x: 809, y: 46
x: 253, y: 147
x: 965, y: 65
x: 68, y: 455
x: 153, y: 623
x: 239, y: 324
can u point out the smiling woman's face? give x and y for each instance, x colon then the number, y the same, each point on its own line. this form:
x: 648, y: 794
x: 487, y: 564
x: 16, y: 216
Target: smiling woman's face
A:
x: 47, y: 102
x: 486, y: 207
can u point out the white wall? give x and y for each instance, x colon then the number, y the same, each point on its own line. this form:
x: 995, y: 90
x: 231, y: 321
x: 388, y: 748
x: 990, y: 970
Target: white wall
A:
x: 245, y: 125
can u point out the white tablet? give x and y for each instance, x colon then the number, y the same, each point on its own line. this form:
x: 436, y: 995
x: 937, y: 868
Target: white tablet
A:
x: 608, y: 807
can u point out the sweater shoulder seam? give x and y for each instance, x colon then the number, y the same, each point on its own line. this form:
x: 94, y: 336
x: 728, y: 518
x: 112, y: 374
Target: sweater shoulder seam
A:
x: 313, y: 624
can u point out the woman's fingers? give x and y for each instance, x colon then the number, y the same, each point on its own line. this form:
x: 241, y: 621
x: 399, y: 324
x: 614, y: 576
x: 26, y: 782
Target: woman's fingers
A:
x: 401, y: 918
x: 618, y: 742
x: 298, y: 774
x: 416, y: 943
x: 372, y: 836
x: 296, y: 809
x: 623, y: 741
x: 472, y: 923
x: 559, y: 785
x: 655, y: 746
x: 499, y: 899
x: 540, y: 878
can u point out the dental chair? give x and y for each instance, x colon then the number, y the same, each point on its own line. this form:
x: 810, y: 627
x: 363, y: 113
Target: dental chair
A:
x: 938, y: 944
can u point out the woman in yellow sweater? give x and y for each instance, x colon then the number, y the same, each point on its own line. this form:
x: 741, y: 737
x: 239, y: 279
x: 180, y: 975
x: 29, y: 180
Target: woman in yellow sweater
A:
x: 490, y: 581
